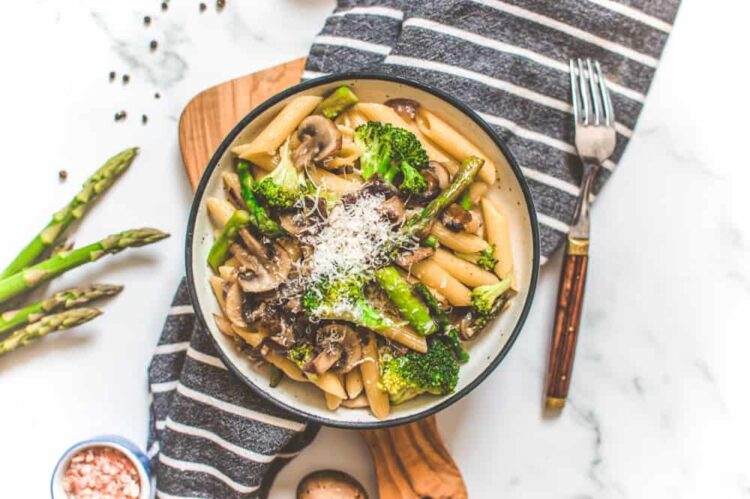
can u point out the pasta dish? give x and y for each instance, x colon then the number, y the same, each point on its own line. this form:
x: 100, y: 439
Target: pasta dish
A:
x: 358, y: 247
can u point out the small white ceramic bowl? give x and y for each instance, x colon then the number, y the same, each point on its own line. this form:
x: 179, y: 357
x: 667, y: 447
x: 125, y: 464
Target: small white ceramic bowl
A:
x: 512, y: 192
x: 128, y: 448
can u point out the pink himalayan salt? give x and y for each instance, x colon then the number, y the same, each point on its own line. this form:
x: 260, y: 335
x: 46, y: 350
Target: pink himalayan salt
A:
x: 101, y: 473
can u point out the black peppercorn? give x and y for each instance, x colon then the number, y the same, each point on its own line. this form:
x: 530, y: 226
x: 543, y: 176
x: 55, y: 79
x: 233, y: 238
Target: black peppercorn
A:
x: 125, y: 79
x: 157, y: 95
x: 63, y: 174
x: 202, y: 7
x: 144, y: 119
x: 153, y: 45
x: 164, y: 6
x: 220, y: 4
x: 112, y: 76
x: 147, y: 20
x: 121, y: 115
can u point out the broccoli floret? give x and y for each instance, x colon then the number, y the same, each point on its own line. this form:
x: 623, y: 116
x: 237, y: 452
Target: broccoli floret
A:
x: 301, y: 354
x: 484, y: 259
x: 344, y: 299
x: 284, y: 186
x: 373, y: 139
x: 407, y: 376
x: 485, y: 299
x: 388, y: 151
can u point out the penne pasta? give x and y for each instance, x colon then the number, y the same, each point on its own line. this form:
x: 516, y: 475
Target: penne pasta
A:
x: 406, y: 336
x: 331, y: 182
x: 467, y: 273
x: 453, y: 142
x: 252, y: 338
x: 332, y: 401
x: 267, y: 142
x: 357, y: 118
x: 463, y: 242
x: 224, y: 326
x: 347, y: 156
x: 219, y: 210
x: 498, y: 233
x: 287, y: 366
x: 353, y: 383
x: 356, y: 403
x: 329, y: 383
x: 378, y: 399
x: 217, y: 286
x: 435, y: 276
x: 476, y: 191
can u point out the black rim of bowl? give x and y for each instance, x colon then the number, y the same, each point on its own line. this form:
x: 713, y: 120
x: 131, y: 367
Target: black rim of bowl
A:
x: 306, y: 85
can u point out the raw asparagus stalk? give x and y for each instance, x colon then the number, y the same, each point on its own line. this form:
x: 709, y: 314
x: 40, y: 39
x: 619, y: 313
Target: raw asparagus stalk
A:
x: 96, y: 184
x: 62, y: 247
x: 448, y: 329
x: 33, y: 276
x: 259, y: 216
x: 218, y: 253
x: 399, y: 292
x: 418, y: 223
x: 48, y: 324
x: 336, y: 103
x: 64, y: 300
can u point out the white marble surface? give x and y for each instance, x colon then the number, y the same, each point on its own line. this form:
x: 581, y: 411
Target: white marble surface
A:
x: 659, y: 404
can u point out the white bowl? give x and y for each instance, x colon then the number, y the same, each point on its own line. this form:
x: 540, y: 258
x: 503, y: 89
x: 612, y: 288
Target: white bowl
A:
x: 512, y: 192
x: 128, y: 448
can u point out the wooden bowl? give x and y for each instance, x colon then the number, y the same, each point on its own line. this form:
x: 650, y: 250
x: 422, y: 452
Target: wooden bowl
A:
x: 511, y: 190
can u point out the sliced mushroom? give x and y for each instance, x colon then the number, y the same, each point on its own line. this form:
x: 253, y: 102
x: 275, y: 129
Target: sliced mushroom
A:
x: 455, y: 218
x: 393, y: 209
x: 409, y: 258
x: 340, y: 350
x: 330, y: 484
x: 406, y: 108
x: 319, y: 139
x: 233, y: 305
x: 261, y: 271
x: 476, y: 222
x: 444, y: 178
x: 289, y: 222
x: 433, y: 185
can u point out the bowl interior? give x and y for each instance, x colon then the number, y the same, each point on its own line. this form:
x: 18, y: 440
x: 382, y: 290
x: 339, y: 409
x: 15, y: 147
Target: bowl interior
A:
x: 485, y: 352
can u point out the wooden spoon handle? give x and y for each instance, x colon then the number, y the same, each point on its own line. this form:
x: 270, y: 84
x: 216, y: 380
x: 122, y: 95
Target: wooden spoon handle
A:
x: 567, y: 321
x: 411, y: 462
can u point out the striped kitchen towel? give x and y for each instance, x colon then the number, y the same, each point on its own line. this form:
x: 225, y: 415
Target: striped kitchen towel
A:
x: 210, y: 436
x: 508, y: 60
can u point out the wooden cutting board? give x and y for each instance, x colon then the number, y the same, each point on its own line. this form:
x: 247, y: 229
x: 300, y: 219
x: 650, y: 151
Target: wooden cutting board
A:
x: 411, y: 461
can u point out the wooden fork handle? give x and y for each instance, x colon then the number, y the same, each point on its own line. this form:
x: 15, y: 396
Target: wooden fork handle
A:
x: 567, y: 321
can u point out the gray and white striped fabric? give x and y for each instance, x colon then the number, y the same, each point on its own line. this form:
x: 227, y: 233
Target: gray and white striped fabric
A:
x: 508, y: 60
x: 210, y: 436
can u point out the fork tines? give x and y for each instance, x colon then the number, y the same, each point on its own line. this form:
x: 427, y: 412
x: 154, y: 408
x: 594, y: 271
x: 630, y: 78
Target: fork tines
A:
x: 591, y: 102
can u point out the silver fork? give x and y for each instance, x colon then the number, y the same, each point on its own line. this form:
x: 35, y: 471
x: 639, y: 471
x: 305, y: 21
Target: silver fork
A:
x: 594, y: 120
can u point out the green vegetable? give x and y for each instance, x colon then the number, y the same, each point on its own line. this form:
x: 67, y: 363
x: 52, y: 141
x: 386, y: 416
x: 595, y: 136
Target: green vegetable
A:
x: 33, y: 276
x: 431, y: 242
x: 46, y: 325
x: 484, y: 299
x: 399, y: 292
x: 417, y: 224
x: 218, y: 253
x: 465, y: 200
x: 258, y: 214
x: 344, y: 300
x: 413, y: 374
x: 64, y: 300
x: 484, y: 259
x: 336, y: 103
x: 285, y: 185
x: 300, y: 354
x: 388, y: 151
x: 94, y: 186
x: 447, y: 328
x: 486, y: 303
